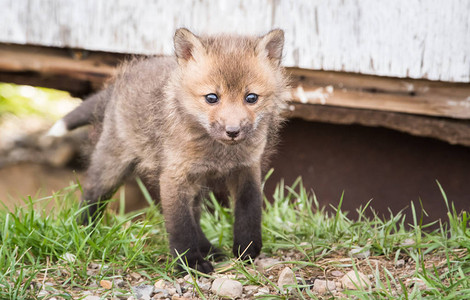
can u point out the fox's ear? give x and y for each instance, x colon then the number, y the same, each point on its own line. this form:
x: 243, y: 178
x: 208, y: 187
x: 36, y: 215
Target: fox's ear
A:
x: 271, y: 45
x: 187, y: 45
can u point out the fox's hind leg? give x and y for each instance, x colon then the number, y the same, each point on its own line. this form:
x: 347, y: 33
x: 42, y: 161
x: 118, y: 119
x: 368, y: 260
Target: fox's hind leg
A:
x: 106, y: 172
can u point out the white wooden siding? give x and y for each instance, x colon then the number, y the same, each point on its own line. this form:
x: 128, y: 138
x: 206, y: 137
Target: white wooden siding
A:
x: 400, y: 38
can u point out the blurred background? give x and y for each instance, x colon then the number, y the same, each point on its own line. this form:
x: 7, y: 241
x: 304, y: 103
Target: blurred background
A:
x: 380, y: 90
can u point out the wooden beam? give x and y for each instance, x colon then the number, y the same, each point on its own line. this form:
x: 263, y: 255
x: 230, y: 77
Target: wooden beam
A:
x: 77, y: 71
x: 420, y: 107
x: 422, y: 97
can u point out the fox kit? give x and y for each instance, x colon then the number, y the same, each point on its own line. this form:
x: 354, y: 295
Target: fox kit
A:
x: 205, y: 120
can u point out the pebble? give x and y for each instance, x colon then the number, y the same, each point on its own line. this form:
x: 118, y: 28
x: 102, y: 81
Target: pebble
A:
x: 227, y: 288
x: 143, y: 291
x: 250, y: 288
x: 69, y: 257
x: 204, y: 286
x: 351, y: 281
x: 106, y: 284
x: 94, y: 266
x: 42, y: 293
x: 135, y: 276
x: 178, y: 288
x: 160, y: 284
x: 263, y: 291
x: 400, y: 263
x: 177, y: 297
x: 322, y: 286
x: 287, y: 277
x: 416, y: 282
x: 90, y: 297
x: 359, y: 253
x: 407, y: 242
x: 161, y: 294
x: 266, y: 263
x: 337, y: 273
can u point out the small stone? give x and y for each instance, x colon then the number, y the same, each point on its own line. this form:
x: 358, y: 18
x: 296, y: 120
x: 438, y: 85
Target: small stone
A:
x: 143, y: 291
x: 204, y: 286
x: 180, y: 280
x: 250, y: 288
x: 227, y: 288
x: 90, y: 297
x: 178, y: 288
x: 171, y: 291
x: 160, y: 294
x: 177, y: 297
x: 69, y: 257
x: 263, y: 290
x: 407, y: 242
x: 106, y: 284
x: 400, y: 263
x: 94, y: 266
x: 418, y: 282
x: 359, y: 253
x: 205, y: 280
x: 352, y: 282
x: 42, y: 293
x: 135, y: 275
x: 119, y: 283
x: 287, y: 277
x: 266, y: 263
x: 323, y: 286
x: 337, y: 273
x: 160, y: 284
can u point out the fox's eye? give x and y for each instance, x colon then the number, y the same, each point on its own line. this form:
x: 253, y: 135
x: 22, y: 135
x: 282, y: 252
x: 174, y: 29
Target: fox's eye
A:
x: 251, y: 98
x: 212, y: 98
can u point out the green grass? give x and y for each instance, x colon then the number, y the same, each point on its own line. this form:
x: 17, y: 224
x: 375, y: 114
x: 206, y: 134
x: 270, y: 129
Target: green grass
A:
x: 23, y: 100
x: 36, y: 246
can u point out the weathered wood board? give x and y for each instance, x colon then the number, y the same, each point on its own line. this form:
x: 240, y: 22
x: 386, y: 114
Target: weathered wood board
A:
x: 332, y: 97
x: 427, y: 39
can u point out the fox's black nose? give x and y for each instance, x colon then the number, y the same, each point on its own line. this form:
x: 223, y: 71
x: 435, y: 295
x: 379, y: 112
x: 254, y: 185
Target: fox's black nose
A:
x: 232, y: 131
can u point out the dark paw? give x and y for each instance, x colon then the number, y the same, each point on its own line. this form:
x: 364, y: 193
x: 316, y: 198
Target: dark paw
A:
x: 198, y: 263
x: 247, y: 251
x: 90, y: 215
x: 204, y: 266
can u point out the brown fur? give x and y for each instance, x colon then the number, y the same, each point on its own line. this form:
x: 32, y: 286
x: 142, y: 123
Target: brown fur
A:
x: 158, y: 125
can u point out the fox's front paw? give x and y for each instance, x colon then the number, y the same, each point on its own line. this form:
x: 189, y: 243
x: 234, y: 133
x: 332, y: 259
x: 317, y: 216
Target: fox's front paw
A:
x: 197, y: 262
x: 203, y: 266
x: 247, y: 250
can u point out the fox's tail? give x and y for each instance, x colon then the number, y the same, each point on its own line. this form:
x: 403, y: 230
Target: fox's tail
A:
x: 90, y: 110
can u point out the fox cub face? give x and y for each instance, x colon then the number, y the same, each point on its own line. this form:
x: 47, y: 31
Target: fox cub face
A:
x: 230, y: 85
